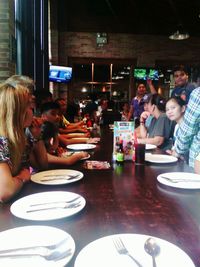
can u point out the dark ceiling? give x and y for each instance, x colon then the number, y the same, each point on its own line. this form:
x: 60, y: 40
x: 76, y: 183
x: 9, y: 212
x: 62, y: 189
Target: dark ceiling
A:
x: 157, y: 17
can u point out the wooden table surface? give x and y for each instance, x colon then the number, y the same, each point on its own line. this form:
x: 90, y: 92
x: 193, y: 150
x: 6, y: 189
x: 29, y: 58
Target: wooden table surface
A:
x: 124, y: 199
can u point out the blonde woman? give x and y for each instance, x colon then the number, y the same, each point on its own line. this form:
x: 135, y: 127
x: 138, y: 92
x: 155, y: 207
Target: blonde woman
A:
x: 16, y: 153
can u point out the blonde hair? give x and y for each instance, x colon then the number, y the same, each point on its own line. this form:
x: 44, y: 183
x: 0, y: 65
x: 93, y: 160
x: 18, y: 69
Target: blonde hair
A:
x: 13, y: 104
x: 26, y: 81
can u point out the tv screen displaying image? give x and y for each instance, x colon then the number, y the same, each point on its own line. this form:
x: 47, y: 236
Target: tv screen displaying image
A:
x: 60, y: 74
x: 140, y: 74
x: 146, y: 73
x: 153, y: 74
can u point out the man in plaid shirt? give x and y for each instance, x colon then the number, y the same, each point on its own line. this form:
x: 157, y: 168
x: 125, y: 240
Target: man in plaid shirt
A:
x: 188, y: 136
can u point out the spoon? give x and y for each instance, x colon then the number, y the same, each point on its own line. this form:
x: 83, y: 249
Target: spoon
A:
x: 152, y: 248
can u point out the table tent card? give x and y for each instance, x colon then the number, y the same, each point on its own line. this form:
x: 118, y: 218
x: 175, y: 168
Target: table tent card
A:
x: 124, y: 134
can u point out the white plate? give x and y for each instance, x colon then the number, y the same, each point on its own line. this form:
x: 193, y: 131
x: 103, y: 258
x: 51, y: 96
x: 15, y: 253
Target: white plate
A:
x: 159, y: 158
x: 102, y: 252
x: 59, y: 176
x: 35, y: 236
x: 81, y: 146
x: 20, y: 207
x: 150, y: 146
x: 68, y: 154
x: 192, y: 180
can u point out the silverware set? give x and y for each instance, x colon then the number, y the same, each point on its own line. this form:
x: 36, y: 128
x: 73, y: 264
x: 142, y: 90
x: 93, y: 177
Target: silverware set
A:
x: 179, y: 180
x: 50, y: 252
x: 54, y: 177
x: 61, y: 205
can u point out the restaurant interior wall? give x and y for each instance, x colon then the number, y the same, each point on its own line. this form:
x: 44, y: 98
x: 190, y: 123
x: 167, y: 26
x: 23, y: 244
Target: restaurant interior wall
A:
x: 146, y: 49
x: 7, y: 40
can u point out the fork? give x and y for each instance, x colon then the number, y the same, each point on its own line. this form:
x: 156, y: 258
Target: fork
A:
x: 59, y: 177
x: 49, y: 247
x: 65, y: 206
x: 175, y: 180
x: 47, y: 254
x: 122, y: 250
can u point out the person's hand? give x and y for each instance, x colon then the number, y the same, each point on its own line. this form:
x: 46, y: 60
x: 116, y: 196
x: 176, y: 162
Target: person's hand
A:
x: 149, y: 81
x: 35, y: 127
x: 144, y: 116
x: 24, y: 175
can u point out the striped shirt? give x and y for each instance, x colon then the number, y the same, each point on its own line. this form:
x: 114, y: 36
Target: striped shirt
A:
x: 188, y: 135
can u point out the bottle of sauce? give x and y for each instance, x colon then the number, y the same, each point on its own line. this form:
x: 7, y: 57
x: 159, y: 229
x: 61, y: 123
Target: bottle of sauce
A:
x: 120, y: 154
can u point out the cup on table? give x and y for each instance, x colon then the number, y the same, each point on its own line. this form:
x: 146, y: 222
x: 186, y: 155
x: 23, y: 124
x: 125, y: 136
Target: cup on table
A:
x: 139, y: 153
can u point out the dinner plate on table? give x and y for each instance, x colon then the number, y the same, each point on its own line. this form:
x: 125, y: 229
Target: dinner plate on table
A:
x: 102, y: 252
x: 150, y: 146
x: 182, y: 180
x: 36, y: 237
x: 160, y: 158
x: 81, y: 146
x: 69, y: 153
x: 55, y: 177
x: 48, y: 206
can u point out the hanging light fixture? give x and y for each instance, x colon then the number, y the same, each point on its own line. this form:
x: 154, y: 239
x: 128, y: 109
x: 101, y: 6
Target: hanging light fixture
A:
x: 178, y: 36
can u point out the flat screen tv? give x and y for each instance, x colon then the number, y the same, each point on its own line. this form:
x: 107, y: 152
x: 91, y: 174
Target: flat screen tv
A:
x: 60, y: 74
x: 146, y: 73
x: 153, y: 74
x: 140, y: 74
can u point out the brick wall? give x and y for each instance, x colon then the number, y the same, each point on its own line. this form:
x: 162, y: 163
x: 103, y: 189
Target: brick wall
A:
x: 145, y: 48
x: 7, y: 66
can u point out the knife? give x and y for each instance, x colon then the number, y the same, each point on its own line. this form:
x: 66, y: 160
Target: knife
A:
x: 55, y: 202
x: 65, y: 206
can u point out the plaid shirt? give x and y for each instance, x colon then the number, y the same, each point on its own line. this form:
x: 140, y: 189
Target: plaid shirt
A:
x: 188, y: 135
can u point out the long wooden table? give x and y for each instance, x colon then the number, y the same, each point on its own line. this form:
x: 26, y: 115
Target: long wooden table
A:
x: 125, y: 199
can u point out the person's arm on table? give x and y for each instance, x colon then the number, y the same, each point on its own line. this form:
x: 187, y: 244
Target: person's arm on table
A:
x: 66, y: 161
x: 11, y: 185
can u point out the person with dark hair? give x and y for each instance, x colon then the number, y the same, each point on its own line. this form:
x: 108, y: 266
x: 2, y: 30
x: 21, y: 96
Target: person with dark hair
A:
x: 182, y: 87
x: 50, y: 136
x: 175, y: 109
x: 160, y: 131
x: 188, y: 135
x: 137, y: 103
x: 50, y: 112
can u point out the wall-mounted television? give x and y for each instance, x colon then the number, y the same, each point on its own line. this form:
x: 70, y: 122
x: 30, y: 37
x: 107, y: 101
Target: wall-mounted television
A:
x: 60, y: 74
x: 146, y: 73
x: 140, y: 74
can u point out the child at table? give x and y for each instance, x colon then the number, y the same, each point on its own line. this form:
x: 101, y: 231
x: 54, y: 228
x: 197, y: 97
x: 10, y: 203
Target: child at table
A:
x: 50, y: 112
x: 54, y: 152
x: 16, y: 152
